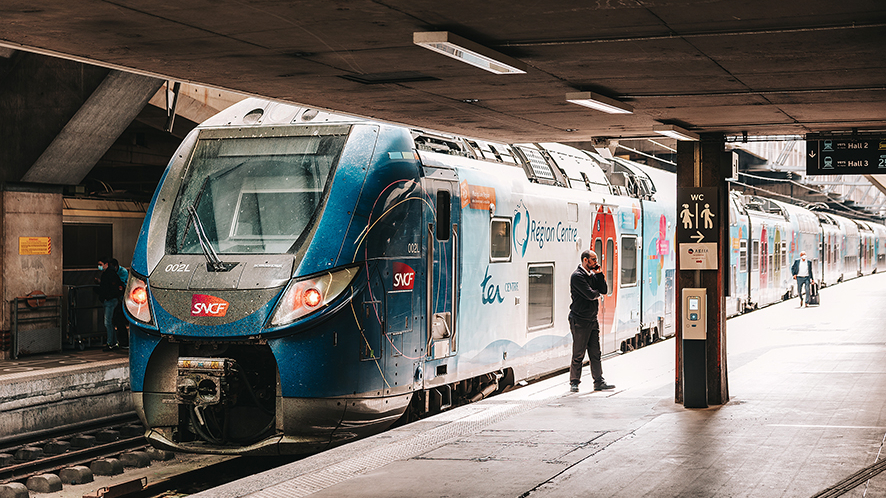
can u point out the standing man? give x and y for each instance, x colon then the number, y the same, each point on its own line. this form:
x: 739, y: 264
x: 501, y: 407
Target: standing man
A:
x: 110, y: 289
x: 802, y: 272
x: 587, y: 284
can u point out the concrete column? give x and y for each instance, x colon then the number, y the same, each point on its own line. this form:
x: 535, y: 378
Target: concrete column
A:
x: 95, y: 127
x: 29, y: 211
x: 706, y: 164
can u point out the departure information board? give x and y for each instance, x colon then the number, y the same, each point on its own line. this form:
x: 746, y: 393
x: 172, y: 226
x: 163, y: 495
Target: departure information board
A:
x: 846, y: 156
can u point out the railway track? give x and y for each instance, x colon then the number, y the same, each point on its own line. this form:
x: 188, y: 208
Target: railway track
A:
x: 37, y: 454
x: 50, y: 451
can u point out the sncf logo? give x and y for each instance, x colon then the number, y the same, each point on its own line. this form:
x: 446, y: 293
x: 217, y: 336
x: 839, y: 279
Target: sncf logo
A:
x: 203, y: 305
x: 404, y: 276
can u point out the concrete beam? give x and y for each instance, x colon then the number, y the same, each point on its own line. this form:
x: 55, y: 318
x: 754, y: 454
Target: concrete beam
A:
x: 93, y: 129
x: 197, y: 103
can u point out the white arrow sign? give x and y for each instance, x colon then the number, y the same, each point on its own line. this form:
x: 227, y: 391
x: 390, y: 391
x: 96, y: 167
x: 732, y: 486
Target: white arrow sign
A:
x: 700, y: 237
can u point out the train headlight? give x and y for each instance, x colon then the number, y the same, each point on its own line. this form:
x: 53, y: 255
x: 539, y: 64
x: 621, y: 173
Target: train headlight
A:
x: 306, y: 296
x: 136, y: 299
x: 312, y: 298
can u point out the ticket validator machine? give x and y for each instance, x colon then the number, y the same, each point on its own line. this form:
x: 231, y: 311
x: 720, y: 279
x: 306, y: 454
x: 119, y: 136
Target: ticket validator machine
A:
x: 695, y: 319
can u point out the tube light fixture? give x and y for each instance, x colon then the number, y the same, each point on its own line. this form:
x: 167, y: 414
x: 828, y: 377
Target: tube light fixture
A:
x: 599, y: 102
x: 675, y: 132
x: 458, y: 48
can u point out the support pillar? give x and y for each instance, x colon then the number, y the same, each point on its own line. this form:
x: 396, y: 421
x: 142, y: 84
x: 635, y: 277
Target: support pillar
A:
x: 703, y: 167
x: 31, y: 235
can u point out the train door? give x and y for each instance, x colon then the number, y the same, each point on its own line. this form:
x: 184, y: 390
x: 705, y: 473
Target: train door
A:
x: 603, y: 238
x: 776, y: 259
x: 441, y: 236
x: 764, y: 262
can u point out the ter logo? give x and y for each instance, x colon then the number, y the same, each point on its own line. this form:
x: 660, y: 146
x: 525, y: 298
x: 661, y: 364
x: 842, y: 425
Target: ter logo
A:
x: 404, y: 276
x: 203, y: 305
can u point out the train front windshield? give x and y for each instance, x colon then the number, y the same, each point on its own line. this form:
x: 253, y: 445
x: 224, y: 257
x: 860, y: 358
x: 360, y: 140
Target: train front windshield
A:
x: 253, y: 194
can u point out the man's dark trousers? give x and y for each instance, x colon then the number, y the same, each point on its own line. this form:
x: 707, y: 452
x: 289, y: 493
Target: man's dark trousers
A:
x: 585, y: 337
x: 803, y: 282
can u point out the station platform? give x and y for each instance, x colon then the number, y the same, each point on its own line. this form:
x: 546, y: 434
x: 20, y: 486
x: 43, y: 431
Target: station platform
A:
x: 50, y: 390
x: 806, y: 417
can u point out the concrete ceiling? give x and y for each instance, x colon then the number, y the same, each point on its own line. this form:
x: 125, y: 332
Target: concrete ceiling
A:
x: 724, y: 66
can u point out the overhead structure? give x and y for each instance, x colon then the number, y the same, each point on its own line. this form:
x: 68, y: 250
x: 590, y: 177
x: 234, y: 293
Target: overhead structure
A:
x: 707, y: 66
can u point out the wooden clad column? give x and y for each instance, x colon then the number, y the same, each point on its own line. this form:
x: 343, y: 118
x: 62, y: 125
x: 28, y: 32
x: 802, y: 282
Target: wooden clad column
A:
x: 702, y: 166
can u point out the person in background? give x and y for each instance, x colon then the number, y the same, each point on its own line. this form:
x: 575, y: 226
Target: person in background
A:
x: 110, y: 290
x: 802, y: 272
x: 120, y: 323
x: 122, y: 273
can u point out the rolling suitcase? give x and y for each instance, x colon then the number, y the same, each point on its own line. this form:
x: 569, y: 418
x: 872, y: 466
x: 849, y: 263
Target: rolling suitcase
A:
x: 813, y: 295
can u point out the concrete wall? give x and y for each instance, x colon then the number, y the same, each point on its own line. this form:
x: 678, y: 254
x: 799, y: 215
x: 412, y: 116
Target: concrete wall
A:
x: 27, y: 211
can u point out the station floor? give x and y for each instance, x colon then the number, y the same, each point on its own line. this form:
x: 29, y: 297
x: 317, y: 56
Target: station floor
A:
x: 25, y: 364
x: 806, y: 417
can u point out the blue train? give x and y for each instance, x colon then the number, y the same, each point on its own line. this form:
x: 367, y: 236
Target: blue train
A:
x: 303, y: 279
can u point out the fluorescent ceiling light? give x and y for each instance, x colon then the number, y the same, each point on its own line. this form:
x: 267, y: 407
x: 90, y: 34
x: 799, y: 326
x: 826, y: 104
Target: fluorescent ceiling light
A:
x: 599, y: 102
x: 675, y: 132
x: 454, y: 46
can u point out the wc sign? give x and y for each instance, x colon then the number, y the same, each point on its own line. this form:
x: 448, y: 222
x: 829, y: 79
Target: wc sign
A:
x: 698, y: 216
x: 404, y: 276
x: 698, y: 223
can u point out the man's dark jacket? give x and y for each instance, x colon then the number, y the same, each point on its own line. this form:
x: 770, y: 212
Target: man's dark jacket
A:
x: 795, y: 268
x: 109, y: 285
x: 585, y: 290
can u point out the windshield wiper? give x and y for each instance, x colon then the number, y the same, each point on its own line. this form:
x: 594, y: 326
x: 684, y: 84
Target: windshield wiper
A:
x: 213, y: 262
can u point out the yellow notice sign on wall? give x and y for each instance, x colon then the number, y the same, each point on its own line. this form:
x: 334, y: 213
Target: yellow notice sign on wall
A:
x: 34, y: 245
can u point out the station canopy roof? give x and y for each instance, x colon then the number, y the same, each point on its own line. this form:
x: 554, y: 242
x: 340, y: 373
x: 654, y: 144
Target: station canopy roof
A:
x: 704, y: 66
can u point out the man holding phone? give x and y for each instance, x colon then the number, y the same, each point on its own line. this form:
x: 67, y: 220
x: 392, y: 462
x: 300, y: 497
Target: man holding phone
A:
x: 587, y: 284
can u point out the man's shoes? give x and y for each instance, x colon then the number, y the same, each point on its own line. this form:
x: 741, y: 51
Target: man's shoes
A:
x: 603, y: 386
x: 573, y: 388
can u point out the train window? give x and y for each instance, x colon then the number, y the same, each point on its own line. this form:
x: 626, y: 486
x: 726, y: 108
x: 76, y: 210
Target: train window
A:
x: 609, y: 259
x: 743, y: 255
x: 541, y: 296
x: 252, y: 194
x: 628, y: 260
x: 784, y: 254
x: 444, y: 200
x: 755, y: 256
x: 500, y: 240
x: 598, y: 248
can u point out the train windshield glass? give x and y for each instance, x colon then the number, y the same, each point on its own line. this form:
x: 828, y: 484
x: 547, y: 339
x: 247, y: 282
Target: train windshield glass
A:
x: 253, y: 194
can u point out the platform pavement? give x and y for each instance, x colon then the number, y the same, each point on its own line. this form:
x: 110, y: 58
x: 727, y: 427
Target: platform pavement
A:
x: 807, y: 410
x: 45, y: 391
